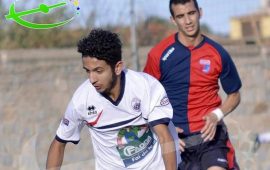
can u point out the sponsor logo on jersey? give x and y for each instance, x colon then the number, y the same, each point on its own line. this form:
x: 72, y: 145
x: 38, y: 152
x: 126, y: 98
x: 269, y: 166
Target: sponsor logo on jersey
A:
x: 206, y: 65
x: 169, y: 52
x: 91, y: 110
x: 164, y: 101
x: 136, y: 104
x: 222, y: 160
x: 95, y: 121
x: 65, y: 121
x: 134, y: 143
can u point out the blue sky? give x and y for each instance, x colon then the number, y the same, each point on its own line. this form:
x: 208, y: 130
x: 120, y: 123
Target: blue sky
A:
x: 216, y: 13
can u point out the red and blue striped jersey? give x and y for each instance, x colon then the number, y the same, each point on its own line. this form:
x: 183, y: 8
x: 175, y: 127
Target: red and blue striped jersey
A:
x: 190, y: 77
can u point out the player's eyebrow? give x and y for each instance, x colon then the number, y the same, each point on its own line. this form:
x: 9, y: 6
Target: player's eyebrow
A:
x: 86, y: 68
x: 95, y: 69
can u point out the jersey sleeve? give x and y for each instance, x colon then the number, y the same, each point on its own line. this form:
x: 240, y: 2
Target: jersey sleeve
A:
x: 152, y: 65
x: 160, y: 110
x: 229, y: 77
x: 70, y: 126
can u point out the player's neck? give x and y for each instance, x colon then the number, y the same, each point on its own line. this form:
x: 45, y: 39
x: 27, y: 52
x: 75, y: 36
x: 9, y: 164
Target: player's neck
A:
x: 190, y: 41
x: 115, y: 91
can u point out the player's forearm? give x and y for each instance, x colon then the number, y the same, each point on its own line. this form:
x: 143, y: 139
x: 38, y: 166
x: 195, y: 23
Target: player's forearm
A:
x: 168, y: 153
x: 230, y: 103
x: 167, y: 146
x: 55, y: 156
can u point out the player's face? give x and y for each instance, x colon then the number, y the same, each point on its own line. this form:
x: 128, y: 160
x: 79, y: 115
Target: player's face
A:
x: 100, y: 74
x: 186, y: 18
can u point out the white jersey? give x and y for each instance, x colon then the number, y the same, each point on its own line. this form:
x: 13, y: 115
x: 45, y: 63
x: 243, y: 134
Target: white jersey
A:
x: 120, y: 130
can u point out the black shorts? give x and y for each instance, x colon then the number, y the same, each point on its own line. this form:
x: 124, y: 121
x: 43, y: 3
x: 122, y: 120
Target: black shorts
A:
x: 204, y: 155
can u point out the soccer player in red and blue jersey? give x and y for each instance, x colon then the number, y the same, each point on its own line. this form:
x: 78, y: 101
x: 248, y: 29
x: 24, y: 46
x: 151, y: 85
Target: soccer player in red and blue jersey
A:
x: 190, y: 65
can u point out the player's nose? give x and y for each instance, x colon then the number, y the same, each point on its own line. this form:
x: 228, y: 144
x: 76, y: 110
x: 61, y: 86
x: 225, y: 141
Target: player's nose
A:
x: 92, y: 78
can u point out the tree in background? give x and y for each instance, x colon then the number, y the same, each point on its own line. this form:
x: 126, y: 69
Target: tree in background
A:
x: 153, y: 30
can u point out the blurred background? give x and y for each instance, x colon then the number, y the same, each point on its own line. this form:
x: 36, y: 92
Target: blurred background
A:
x: 40, y: 70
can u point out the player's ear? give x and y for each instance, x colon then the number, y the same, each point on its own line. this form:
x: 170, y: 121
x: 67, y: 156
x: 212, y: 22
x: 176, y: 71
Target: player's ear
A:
x: 200, y: 12
x: 172, y: 20
x: 118, y: 67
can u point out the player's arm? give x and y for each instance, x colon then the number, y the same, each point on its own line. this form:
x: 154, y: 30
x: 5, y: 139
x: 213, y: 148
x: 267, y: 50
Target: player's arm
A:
x: 212, y: 119
x: 167, y: 146
x: 231, y: 83
x: 231, y: 102
x: 55, y: 155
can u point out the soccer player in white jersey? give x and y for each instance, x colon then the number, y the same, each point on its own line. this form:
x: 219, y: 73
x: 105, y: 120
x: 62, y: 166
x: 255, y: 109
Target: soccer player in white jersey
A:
x: 127, y: 113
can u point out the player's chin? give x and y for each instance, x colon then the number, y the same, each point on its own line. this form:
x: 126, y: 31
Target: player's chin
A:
x: 100, y: 90
x: 191, y: 33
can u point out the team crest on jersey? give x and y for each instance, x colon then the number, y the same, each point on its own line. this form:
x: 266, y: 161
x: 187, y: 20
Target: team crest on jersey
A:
x: 136, y: 104
x: 91, y: 110
x: 164, y: 101
x: 65, y: 121
x: 205, y: 65
x: 134, y: 143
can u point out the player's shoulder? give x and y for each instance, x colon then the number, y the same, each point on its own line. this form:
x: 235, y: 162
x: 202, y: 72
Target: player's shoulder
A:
x: 164, y: 44
x: 215, y: 45
x: 140, y: 79
x: 138, y: 76
x: 167, y: 41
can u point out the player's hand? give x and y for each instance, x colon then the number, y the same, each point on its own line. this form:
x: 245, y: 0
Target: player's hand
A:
x: 181, y: 142
x: 210, y: 127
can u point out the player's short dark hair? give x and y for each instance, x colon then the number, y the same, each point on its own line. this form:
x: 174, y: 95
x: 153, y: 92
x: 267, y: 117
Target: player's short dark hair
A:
x: 103, y: 45
x: 175, y: 2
